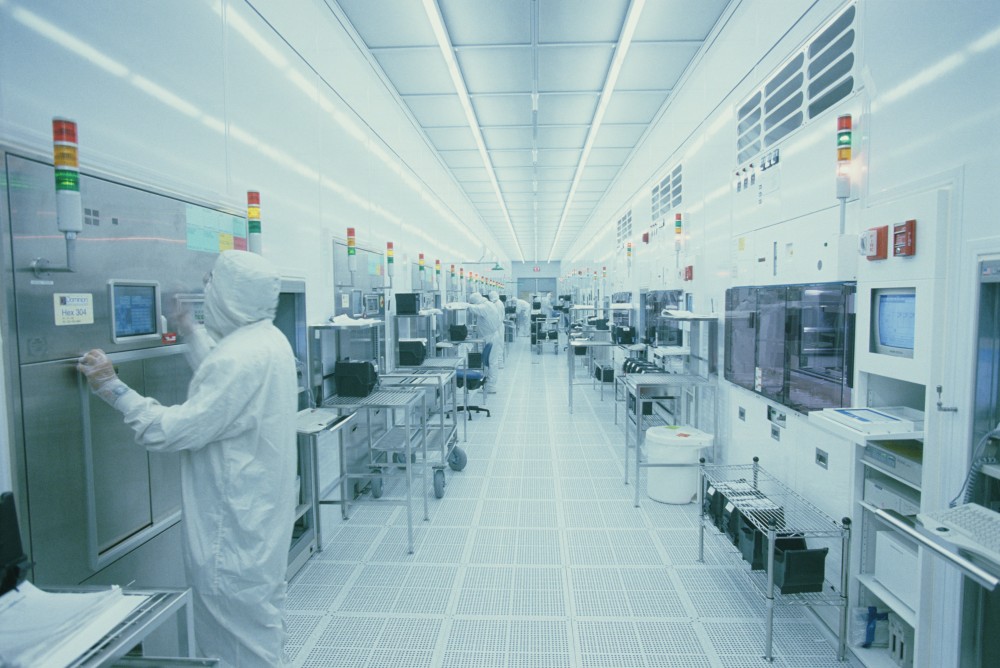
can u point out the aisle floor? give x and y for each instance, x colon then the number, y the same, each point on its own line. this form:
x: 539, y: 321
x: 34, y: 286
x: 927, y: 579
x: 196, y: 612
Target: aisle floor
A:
x: 536, y: 558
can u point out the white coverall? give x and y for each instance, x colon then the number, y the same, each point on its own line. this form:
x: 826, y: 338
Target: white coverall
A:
x: 499, y: 348
x: 236, y: 436
x: 488, y: 324
x: 523, y: 308
x: 547, y: 305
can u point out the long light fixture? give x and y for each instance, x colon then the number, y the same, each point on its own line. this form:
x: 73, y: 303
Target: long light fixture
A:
x: 624, y: 43
x: 444, y: 43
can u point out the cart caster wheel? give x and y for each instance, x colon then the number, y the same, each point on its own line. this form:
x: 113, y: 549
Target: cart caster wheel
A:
x: 457, y: 459
x: 438, y: 483
x: 377, y: 488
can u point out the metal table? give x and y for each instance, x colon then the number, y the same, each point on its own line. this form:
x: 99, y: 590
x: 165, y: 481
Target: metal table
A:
x: 571, y: 349
x: 150, y: 615
x: 311, y: 425
x: 396, y: 444
x: 640, y: 385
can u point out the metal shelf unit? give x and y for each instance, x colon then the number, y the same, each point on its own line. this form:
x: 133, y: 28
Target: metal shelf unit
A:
x: 745, y: 486
x: 393, y: 452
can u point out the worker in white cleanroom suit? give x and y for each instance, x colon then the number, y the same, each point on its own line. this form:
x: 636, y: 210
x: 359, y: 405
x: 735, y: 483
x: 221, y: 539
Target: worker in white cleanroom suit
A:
x: 487, y: 325
x: 499, y: 356
x: 523, y: 308
x: 547, y: 305
x: 236, y: 437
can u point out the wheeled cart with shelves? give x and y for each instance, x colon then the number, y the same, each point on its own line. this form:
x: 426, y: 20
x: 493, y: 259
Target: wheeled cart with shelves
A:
x: 393, y: 452
x: 765, y: 514
x: 442, y: 430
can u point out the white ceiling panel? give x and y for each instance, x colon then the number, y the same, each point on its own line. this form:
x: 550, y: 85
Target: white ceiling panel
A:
x: 497, y: 69
x: 534, y: 150
x: 416, y: 71
x: 515, y: 173
x: 592, y: 186
x: 436, y: 111
x: 459, y: 159
x: 556, y: 173
x: 389, y: 23
x: 599, y: 172
x: 475, y: 23
x: 478, y: 187
x: 671, y: 20
x: 558, y: 157
x: 507, y: 138
x: 452, y: 139
x: 655, y: 66
x: 576, y: 21
x: 554, y: 187
x: 561, y: 136
x: 618, y: 136
x: 465, y: 174
x: 512, y: 109
x: 510, y: 158
x: 573, y: 68
x: 634, y: 106
x: 609, y: 156
x: 567, y: 108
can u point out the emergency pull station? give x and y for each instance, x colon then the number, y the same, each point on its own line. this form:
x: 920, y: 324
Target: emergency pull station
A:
x: 873, y: 243
x: 689, y: 273
x: 904, y: 239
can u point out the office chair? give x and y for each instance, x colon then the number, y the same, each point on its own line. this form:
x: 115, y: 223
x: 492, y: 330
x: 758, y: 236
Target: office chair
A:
x: 474, y: 376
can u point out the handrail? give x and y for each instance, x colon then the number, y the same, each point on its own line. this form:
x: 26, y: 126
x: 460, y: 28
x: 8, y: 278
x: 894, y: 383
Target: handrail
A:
x: 907, y: 527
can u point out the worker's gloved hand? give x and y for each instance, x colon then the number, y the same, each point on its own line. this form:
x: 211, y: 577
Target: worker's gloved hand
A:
x: 184, y: 320
x: 101, y: 376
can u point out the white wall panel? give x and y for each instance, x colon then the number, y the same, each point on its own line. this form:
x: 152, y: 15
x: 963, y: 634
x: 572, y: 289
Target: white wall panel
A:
x: 122, y: 71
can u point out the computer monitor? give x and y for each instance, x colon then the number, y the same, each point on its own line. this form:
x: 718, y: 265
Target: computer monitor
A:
x: 135, y: 310
x: 893, y: 321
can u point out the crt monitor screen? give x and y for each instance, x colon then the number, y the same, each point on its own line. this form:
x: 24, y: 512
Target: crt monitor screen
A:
x: 894, y: 321
x: 134, y: 309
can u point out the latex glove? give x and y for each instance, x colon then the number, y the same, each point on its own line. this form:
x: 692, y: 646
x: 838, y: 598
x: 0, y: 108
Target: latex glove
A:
x: 101, y: 376
x: 185, y: 321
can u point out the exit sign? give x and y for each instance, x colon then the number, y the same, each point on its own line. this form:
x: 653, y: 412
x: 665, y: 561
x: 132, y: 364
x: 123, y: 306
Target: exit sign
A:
x: 536, y: 268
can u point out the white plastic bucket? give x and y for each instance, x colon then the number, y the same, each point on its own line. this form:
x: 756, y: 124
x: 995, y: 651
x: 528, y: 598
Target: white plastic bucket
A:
x: 674, y: 445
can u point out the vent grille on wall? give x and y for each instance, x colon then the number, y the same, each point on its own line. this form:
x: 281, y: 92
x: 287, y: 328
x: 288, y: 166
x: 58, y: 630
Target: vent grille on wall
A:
x: 666, y: 194
x: 624, y: 228
x: 816, y: 78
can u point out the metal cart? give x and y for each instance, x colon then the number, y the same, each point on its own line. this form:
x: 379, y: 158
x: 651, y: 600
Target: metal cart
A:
x: 439, y: 385
x: 394, y: 452
x: 766, y: 505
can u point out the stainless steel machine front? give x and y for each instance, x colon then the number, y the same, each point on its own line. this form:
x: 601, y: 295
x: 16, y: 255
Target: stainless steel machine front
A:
x: 95, y: 506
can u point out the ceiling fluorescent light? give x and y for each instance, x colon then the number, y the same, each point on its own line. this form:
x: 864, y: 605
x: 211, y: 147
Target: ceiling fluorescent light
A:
x: 624, y: 43
x: 444, y: 43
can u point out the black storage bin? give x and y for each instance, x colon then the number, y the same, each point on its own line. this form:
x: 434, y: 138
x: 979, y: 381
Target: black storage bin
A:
x: 412, y: 353
x: 753, y: 545
x: 458, y: 332
x: 731, y: 521
x: 799, y: 571
x: 407, y: 303
x: 355, y: 379
x: 553, y: 335
x: 623, y: 335
x: 605, y: 374
x: 647, y: 406
x: 714, y: 501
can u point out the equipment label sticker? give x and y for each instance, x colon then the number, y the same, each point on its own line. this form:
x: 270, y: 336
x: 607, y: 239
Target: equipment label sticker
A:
x: 73, y: 308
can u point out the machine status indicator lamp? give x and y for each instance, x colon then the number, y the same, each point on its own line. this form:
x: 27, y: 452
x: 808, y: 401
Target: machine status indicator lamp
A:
x: 351, y: 242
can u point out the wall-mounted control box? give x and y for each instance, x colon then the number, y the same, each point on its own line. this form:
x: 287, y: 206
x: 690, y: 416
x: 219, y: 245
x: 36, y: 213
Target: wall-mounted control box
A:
x: 904, y: 239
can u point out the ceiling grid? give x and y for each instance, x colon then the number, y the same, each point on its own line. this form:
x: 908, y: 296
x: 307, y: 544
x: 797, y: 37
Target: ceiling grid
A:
x: 543, y: 101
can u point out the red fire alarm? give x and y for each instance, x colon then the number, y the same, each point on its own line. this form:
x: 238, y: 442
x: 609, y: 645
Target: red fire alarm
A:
x: 904, y: 239
x: 689, y: 273
x: 645, y: 237
x: 873, y: 243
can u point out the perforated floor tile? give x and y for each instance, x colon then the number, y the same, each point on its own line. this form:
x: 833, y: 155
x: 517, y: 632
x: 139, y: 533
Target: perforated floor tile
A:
x: 536, y: 558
